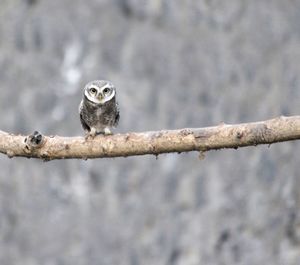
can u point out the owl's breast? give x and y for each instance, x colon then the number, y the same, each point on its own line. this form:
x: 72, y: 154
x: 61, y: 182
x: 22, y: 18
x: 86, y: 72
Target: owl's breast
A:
x: 99, y: 112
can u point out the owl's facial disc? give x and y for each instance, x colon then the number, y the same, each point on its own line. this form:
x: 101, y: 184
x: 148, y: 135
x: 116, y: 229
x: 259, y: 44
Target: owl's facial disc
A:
x: 100, y: 95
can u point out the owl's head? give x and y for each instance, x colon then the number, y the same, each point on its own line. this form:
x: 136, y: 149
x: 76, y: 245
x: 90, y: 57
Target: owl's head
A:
x: 99, y: 91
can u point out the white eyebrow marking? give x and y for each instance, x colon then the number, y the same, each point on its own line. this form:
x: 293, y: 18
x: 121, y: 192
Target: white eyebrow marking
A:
x: 108, y: 85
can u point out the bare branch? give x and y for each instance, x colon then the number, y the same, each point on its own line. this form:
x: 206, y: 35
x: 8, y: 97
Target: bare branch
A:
x: 131, y: 144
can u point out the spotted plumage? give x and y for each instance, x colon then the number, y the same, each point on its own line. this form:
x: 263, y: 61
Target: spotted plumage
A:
x: 98, y: 109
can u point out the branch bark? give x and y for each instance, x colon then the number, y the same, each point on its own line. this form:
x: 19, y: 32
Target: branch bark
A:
x: 158, y: 142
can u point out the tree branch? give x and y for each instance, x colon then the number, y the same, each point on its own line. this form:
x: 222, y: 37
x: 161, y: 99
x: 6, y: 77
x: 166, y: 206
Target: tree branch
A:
x: 167, y: 141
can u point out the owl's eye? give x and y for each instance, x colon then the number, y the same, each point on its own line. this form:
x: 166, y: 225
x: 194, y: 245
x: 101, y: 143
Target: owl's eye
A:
x: 93, y: 90
x: 105, y: 90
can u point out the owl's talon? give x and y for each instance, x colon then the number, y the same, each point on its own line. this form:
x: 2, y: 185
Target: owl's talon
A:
x: 91, y: 134
x: 87, y: 136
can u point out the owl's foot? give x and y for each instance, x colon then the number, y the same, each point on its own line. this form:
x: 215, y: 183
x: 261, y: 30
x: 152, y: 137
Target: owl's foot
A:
x: 107, y: 131
x: 93, y: 133
x: 90, y: 134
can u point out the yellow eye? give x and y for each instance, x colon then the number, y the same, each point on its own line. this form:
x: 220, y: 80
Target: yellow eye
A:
x: 93, y: 90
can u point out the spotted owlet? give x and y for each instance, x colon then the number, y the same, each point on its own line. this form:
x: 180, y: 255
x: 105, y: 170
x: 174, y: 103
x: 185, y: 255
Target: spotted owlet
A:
x: 98, y: 109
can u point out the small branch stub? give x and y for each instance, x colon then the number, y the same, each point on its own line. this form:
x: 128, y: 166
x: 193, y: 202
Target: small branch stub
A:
x: 47, y: 148
x: 33, y: 141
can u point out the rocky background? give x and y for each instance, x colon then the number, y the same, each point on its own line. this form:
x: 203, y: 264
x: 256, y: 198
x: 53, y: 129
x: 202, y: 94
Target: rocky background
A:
x: 175, y: 64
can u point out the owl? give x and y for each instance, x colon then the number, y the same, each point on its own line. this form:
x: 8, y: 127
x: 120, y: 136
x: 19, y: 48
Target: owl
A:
x: 98, y: 109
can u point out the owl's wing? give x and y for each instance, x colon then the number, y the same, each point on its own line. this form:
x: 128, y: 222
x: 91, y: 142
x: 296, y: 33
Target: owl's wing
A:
x: 80, y: 107
x: 83, y: 123
x: 117, y: 117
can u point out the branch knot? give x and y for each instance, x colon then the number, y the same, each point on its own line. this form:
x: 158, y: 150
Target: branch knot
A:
x: 33, y: 141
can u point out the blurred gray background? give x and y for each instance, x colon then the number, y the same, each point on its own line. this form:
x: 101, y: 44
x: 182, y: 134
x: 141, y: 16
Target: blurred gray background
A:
x: 175, y: 64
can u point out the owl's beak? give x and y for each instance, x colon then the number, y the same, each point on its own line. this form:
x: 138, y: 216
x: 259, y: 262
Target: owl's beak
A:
x: 100, y: 97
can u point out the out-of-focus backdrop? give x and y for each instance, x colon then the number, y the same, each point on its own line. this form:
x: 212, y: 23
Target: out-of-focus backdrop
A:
x: 175, y: 64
